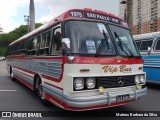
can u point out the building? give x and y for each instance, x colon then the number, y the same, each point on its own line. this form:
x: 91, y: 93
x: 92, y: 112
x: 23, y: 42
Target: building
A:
x: 126, y: 8
x: 123, y: 10
x: 143, y: 14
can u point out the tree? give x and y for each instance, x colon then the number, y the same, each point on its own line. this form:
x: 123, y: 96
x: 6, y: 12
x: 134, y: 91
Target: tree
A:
x: 6, y: 39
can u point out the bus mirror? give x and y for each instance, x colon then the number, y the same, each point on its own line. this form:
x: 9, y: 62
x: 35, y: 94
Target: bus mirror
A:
x: 149, y: 51
x: 66, y: 43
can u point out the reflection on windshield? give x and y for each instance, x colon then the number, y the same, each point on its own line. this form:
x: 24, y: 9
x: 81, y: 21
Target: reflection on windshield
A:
x: 86, y: 37
x: 122, y: 44
x: 124, y: 41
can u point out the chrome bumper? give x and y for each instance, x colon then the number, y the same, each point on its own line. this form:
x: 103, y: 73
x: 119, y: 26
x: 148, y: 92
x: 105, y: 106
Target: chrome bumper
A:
x: 109, y: 97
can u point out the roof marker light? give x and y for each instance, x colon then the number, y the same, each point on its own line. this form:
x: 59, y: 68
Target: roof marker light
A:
x: 88, y: 9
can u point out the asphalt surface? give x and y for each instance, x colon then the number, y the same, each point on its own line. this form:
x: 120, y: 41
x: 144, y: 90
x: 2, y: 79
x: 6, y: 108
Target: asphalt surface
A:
x: 14, y: 96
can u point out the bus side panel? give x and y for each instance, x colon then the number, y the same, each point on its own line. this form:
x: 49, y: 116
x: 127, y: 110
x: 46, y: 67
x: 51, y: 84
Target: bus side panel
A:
x: 152, y: 67
x: 25, y: 68
x: 23, y: 78
x: 149, y: 73
x: 152, y: 73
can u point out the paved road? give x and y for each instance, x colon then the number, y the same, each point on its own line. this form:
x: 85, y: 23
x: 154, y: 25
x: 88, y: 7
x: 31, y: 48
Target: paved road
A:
x: 14, y: 96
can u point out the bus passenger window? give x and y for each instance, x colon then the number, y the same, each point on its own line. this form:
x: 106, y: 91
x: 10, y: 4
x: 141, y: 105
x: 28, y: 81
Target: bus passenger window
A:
x: 56, y: 44
x: 30, y: 44
x: 45, y: 41
x: 17, y: 49
x: 145, y: 44
x: 26, y: 46
x: 34, y: 43
x: 157, y: 45
x: 22, y: 48
x: 31, y: 47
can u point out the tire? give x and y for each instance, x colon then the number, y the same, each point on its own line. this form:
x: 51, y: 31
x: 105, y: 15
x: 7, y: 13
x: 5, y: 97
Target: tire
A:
x: 11, y: 74
x: 40, y: 92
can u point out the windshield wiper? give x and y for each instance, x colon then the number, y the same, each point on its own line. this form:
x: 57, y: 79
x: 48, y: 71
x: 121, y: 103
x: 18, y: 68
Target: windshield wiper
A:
x: 121, y: 44
x: 99, y: 49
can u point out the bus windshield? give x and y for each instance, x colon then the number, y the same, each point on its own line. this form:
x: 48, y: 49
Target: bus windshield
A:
x: 124, y: 41
x: 89, y: 38
x: 93, y: 38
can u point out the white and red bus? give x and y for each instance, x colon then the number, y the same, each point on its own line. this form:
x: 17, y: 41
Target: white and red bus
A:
x: 84, y: 59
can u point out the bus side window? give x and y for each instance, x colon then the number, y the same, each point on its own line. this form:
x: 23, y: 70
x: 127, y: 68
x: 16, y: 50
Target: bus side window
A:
x: 16, y: 49
x: 21, y: 47
x: 26, y: 46
x: 10, y: 50
x: 38, y: 45
x: 30, y: 46
x: 145, y: 44
x: 157, y: 47
x: 45, y: 41
x: 56, y: 43
x: 34, y: 46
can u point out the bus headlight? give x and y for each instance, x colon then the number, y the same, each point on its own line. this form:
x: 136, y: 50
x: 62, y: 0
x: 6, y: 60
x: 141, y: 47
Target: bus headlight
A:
x: 91, y: 83
x: 137, y: 79
x: 142, y: 79
x: 79, y: 83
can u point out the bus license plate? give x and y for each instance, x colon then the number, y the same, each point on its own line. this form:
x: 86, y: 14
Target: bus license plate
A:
x: 122, y: 97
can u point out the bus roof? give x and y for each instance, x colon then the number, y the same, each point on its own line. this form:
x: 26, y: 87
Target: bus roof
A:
x: 147, y: 36
x: 81, y: 14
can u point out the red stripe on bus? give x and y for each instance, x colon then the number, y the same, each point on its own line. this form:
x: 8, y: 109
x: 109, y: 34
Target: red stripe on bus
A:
x: 44, y: 76
x: 51, y: 98
x: 97, y: 106
x: 34, y: 58
x: 105, y: 61
x: 24, y: 82
x: 51, y: 78
x: 33, y: 73
x: 54, y: 86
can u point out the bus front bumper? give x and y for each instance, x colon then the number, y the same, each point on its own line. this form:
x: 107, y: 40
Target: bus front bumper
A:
x: 108, y: 99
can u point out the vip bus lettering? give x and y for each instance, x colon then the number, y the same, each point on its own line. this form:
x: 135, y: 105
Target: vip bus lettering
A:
x: 124, y: 68
x: 110, y: 69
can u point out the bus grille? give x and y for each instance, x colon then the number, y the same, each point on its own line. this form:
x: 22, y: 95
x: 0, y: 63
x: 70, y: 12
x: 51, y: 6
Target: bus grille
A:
x: 116, y: 81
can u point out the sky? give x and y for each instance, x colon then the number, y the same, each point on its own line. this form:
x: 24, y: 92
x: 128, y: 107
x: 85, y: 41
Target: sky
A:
x: 12, y: 11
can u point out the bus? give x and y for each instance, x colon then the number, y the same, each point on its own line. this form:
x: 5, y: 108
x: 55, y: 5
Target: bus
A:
x: 82, y: 60
x: 149, y: 47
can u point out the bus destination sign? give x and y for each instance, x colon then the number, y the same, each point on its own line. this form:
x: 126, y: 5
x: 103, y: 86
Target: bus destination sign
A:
x: 96, y: 16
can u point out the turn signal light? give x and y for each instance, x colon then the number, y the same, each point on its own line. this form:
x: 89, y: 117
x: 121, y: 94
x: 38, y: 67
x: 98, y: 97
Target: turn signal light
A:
x: 84, y: 70
x: 140, y: 68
